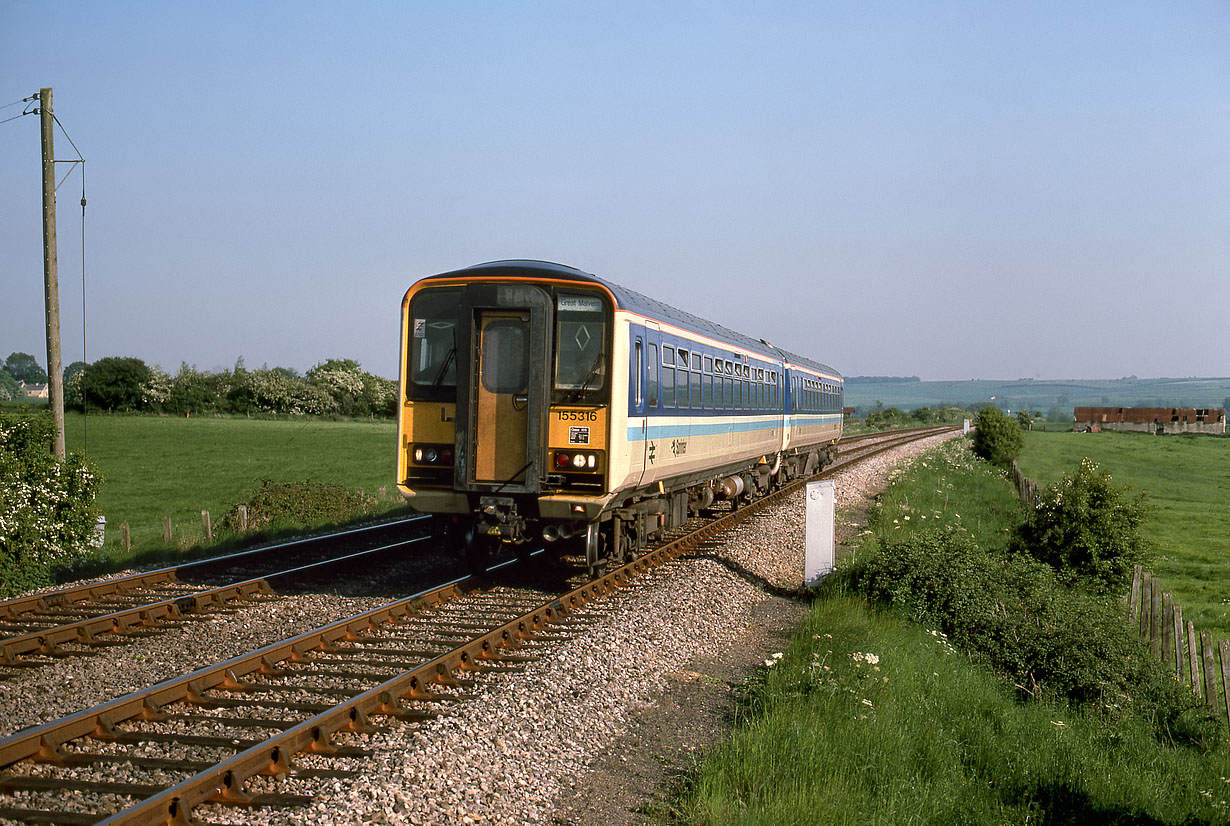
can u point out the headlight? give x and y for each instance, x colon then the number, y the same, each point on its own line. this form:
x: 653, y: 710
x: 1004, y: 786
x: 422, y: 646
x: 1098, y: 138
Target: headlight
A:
x: 569, y: 461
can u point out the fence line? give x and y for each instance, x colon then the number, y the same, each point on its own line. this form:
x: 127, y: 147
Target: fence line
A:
x: 1193, y: 656
x: 243, y: 524
x: 1026, y: 488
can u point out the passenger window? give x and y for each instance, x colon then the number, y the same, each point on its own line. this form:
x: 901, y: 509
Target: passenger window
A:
x: 668, y: 376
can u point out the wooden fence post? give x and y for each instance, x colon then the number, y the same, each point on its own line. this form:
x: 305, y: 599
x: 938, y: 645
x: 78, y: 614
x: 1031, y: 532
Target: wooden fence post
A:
x: 166, y: 529
x: 1193, y: 659
x: 1178, y: 642
x: 206, y: 527
x: 1167, y: 626
x: 1134, y: 594
x: 1224, y: 649
x: 1146, y: 578
x: 1155, y: 616
x: 243, y: 518
x: 1210, y: 678
x: 125, y: 537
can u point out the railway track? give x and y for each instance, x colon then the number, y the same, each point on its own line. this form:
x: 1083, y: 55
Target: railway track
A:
x: 82, y: 619
x: 407, y: 660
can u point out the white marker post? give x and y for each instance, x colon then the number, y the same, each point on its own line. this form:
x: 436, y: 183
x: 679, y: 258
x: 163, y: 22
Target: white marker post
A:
x: 821, y: 524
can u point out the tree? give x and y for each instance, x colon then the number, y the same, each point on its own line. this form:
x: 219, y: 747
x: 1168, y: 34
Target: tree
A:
x: 1025, y: 420
x: 10, y: 390
x: 997, y: 438
x: 116, y: 383
x: 24, y: 367
x: 1087, y: 529
x: 72, y: 385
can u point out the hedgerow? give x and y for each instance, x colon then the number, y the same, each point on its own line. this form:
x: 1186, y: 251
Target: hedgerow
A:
x: 299, y: 503
x: 1020, y: 617
x: 47, y: 508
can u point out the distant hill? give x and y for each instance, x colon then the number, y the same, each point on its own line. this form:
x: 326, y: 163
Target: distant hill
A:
x: 1045, y: 395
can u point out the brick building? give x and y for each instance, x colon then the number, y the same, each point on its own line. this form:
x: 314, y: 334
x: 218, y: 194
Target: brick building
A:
x: 1150, y: 419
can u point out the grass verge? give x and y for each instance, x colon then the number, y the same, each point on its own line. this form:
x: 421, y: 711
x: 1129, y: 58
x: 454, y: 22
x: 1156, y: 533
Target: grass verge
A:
x: 868, y: 718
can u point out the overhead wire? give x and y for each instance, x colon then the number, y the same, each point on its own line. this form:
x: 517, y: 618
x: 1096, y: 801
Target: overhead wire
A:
x: 28, y: 111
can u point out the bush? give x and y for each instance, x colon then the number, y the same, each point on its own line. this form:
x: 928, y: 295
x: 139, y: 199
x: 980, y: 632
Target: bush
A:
x: 1088, y: 530
x: 47, y: 511
x: 1011, y: 613
x: 997, y: 438
x: 115, y: 383
x: 299, y: 503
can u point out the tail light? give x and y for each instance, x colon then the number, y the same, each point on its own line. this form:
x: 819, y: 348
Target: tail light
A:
x: 439, y: 455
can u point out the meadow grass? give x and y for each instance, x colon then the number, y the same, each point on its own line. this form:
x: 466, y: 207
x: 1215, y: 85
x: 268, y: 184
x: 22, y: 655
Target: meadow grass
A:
x: 1188, y: 488
x: 870, y: 719
x: 916, y: 734
x: 163, y: 466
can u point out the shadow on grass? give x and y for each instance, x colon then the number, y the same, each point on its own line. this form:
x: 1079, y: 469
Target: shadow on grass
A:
x: 1061, y: 805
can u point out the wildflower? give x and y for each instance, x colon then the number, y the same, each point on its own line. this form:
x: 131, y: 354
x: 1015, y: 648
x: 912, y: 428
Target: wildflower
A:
x: 1059, y: 724
x: 867, y: 703
x: 773, y: 659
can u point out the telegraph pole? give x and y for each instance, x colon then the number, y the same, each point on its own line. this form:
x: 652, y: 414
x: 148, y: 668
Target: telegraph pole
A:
x: 51, y: 278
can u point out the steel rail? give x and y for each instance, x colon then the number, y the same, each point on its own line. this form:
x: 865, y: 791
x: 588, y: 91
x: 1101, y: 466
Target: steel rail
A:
x: 144, y: 618
x: 11, y: 609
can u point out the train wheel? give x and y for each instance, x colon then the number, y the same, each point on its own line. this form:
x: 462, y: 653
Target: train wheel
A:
x: 480, y: 550
x: 595, y: 551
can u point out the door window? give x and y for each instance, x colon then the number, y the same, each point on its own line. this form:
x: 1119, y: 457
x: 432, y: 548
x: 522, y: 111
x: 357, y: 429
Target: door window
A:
x: 506, y: 356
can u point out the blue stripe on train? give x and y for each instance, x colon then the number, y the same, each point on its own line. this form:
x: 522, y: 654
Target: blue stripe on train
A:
x: 674, y: 431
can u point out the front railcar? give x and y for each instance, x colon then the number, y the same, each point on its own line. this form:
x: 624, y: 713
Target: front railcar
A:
x: 506, y: 387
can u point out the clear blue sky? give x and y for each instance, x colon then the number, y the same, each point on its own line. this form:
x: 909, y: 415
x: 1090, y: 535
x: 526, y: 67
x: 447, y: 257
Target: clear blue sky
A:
x: 948, y: 189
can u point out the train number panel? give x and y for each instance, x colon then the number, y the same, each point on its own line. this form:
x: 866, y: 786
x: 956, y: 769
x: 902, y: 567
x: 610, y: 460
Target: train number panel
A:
x: 544, y: 404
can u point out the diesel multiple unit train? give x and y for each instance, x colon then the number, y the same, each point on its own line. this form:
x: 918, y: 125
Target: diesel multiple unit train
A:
x: 540, y: 404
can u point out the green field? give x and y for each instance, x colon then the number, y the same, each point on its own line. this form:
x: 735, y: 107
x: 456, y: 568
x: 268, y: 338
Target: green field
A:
x: 1187, y: 482
x: 160, y: 466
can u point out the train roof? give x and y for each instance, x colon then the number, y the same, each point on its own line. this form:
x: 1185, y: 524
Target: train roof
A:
x: 636, y: 302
